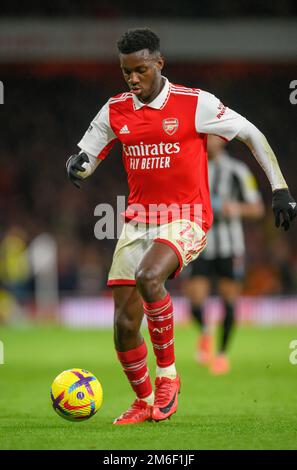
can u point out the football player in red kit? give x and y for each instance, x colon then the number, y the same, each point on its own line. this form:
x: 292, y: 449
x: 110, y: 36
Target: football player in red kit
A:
x: 163, y: 130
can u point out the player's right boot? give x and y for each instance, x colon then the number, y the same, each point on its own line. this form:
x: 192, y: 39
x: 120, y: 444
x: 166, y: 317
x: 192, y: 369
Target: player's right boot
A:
x: 166, y: 397
x: 138, y: 412
x: 204, y: 351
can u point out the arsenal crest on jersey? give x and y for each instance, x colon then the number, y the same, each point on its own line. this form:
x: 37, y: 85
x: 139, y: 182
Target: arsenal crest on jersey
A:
x: 170, y: 125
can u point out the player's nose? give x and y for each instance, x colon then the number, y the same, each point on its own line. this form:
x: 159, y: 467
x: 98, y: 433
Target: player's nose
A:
x: 134, y: 79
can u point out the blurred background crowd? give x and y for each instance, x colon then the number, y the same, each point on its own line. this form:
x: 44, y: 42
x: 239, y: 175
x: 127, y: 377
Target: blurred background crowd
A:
x: 172, y: 9
x: 48, y: 107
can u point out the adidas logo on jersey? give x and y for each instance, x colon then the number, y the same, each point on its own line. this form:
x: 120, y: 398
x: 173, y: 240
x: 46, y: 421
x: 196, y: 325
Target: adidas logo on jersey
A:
x: 292, y: 204
x: 125, y: 130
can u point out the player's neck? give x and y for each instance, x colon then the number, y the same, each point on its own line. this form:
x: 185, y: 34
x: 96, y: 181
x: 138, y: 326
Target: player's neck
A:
x: 156, y: 92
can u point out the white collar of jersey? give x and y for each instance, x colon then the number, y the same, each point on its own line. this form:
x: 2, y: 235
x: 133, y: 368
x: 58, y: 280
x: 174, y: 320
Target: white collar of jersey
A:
x: 158, y: 102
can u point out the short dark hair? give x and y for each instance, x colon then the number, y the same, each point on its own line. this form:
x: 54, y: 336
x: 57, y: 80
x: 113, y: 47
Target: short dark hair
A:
x: 137, y: 39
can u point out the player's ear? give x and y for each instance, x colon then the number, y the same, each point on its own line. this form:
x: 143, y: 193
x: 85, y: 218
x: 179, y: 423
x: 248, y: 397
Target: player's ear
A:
x: 160, y: 62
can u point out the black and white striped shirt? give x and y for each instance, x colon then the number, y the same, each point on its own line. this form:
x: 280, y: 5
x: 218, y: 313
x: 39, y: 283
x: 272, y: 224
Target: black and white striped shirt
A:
x: 229, y: 180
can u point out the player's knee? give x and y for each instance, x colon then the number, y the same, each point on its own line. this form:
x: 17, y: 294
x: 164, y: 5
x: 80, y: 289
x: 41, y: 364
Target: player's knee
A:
x: 148, y: 279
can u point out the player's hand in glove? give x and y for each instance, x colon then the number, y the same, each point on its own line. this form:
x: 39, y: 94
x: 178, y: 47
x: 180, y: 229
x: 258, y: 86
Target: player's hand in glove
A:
x: 74, y: 167
x: 283, y: 206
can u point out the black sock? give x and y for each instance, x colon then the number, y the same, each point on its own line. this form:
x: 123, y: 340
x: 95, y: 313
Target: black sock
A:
x: 227, y: 325
x: 197, y: 313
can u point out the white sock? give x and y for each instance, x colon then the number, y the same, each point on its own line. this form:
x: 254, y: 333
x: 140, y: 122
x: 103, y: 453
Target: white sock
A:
x: 150, y: 399
x: 169, y: 371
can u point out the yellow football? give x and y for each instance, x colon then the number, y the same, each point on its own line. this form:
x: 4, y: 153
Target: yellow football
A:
x: 76, y: 394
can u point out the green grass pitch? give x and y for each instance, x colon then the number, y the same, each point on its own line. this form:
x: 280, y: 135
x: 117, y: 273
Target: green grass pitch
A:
x: 254, y: 407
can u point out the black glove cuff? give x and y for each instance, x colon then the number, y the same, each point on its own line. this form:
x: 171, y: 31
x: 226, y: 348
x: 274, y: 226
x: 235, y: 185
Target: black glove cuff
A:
x: 281, y: 191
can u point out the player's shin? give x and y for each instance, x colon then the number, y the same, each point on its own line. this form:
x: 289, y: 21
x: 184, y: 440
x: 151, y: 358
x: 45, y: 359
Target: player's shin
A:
x: 160, y: 324
x: 135, y: 367
x: 167, y: 385
x: 227, y: 326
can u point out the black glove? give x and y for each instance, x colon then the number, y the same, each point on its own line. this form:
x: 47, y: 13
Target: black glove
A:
x: 283, y: 204
x: 73, y: 165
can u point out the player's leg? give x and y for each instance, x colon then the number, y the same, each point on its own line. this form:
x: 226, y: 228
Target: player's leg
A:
x: 175, y: 245
x: 197, y: 290
x: 128, y: 315
x: 132, y: 352
x: 229, y: 290
x: 130, y: 346
x: 158, y: 263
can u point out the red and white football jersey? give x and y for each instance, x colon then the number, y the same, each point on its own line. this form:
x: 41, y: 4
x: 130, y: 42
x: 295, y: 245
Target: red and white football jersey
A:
x: 164, y: 148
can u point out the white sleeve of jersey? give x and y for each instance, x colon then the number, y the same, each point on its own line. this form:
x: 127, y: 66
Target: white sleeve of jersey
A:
x: 99, y: 138
x: 260, y: 148
x: 213, y: 117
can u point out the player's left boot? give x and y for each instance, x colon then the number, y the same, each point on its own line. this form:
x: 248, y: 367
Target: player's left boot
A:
x: 166, y: 397
x: 220, y: 365
x: 138, y: 412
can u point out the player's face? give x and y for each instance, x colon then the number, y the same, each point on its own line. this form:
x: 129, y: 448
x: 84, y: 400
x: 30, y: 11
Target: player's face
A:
x: 142, y: 73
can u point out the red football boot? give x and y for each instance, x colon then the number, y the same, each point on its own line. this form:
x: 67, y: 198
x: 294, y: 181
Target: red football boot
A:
x: 220, y: 365
x: 204, y: 351
x: 138, y: 412
x: 166, y: 394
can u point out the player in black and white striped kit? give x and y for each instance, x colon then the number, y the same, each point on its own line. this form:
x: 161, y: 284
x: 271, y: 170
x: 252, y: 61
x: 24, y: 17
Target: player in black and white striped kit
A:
x: 234, y: 196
